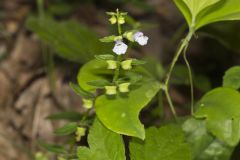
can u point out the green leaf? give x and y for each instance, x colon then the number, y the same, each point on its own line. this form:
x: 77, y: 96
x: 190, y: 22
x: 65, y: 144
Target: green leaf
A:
x: 225, y: 10
x: 99, y: 83
x: 199, y: 13
x: 71, y: 116
x: 137, y: 62
x: 105, y: 57
x: 165, y: 143
x: 232, y: 78
x: 93, y: 70
x: 66, y: 129
x: 120, y: 113
x: 103, y: 145
x: 221, y: 109
x: 110, y: 39
x: 196, y: 6
x: 205, y: 146
x: 69, y: 39
x: 185, y: 11
x: 81, y: 92
x: 52, y: 147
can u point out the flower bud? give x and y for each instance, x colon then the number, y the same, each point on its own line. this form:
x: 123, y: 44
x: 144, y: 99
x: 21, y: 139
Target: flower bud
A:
x: 111, y: 90
x: 121, y: 20
x: 80, y: 133
x: 129, y: 36
x: 113, y: 20
x: 127, y: 65
x: 87, y: 103
x: 111, y: 64
x: 124, y: 87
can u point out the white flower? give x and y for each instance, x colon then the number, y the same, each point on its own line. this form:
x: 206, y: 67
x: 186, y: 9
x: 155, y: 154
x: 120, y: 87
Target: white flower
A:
x: 140, y: 38
x: 120, y: 48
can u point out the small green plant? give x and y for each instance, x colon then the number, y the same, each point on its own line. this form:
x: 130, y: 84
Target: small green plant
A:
x: 117, y: 87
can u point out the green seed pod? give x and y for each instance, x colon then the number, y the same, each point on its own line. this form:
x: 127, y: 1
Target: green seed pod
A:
x: 113, y: 20
x: 127, y: 64
x: 111, y: 90
x: 87, y: 103
x: 111, y: 64
x: 124, y: 87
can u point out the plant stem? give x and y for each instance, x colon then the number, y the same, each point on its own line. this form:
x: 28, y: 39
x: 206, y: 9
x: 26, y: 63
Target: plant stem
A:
x: 190, y: 79
x: 118, y: 24
x: 40, y: 6
x: 183, y: 45
x: 117, y: 71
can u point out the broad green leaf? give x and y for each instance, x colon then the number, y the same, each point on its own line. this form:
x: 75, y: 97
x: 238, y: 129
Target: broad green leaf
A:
x: 110, y: 39
x: 185, y: 11
x: 191, y: 8
x: 52, y: 147
x: 226, y: 10
x: 125, y: 107
x: 196, y: 6
x: 103, y: 145
x: 232, y: 78
x: 205, y: 146
x: 221, y: 108
x: 93, y: 70
x: 99, y: 83
x: 69, y: 39
x: 70, y: 115
x: 120, y: 114
x: 105, y: 57
x: 137, y: 62
x: 199, y: 13
x: 81, y: 92
x: 66, y: 129
x: 165, y: 143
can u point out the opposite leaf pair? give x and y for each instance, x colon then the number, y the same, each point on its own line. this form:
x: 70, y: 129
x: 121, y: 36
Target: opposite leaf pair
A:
x: 164, y: 143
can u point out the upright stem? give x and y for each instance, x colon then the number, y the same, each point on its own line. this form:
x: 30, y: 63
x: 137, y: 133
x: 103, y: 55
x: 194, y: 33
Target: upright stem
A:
x: 40, y: 5
x: 117, y: 71
x: 119, y: 25
x: 178, y: 53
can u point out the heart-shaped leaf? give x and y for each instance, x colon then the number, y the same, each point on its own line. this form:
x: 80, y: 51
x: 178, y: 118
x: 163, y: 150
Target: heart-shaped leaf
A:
x: 120, y: 113
x: 221, y: 108
x: 232, y: 78
x: 93, y: 70
x: 103, y: 145
x: 205, y: 146
x: 165, y: 143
